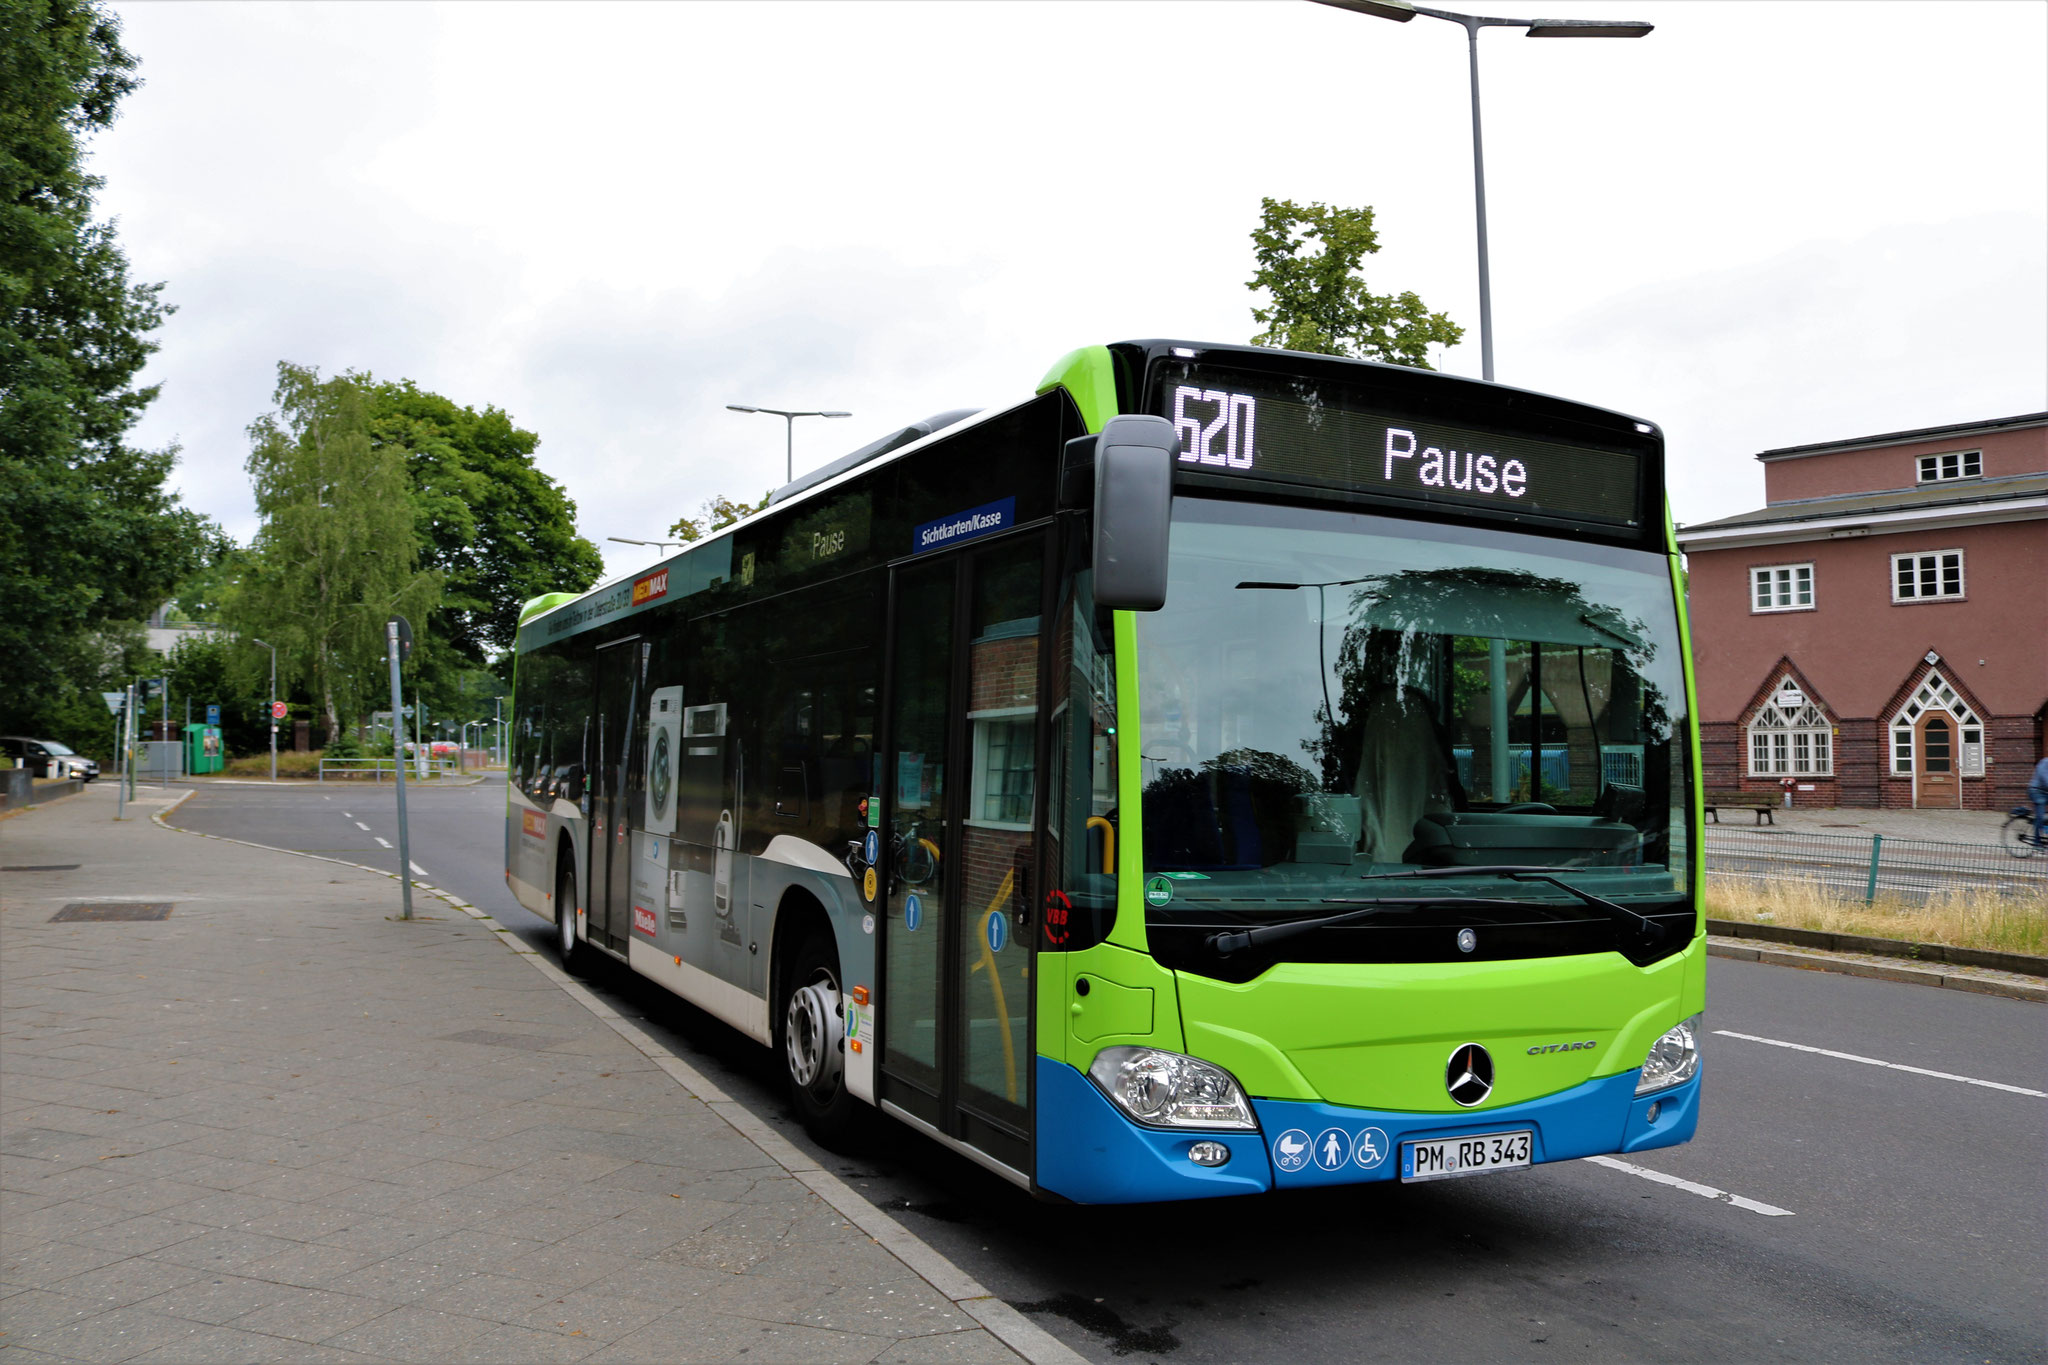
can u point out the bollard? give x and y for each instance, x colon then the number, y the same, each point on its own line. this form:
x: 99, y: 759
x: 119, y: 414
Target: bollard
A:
x: 1870, y: 890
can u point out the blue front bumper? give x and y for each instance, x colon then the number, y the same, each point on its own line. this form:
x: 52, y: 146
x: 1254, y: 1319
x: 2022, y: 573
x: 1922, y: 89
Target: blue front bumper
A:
x: 1090, y: 1153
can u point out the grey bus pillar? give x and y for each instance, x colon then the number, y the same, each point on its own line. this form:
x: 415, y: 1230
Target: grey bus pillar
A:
x: 398, y: 754
x: 1497, y: 690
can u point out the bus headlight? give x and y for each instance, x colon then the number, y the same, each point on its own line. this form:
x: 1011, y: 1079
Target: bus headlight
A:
x: 1167, y: 1090
x: 1674, y: 1059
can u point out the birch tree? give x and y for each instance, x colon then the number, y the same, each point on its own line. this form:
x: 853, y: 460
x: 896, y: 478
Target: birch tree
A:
x: 338, y: 550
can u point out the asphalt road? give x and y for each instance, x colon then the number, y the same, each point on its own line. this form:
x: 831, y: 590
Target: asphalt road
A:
x: 1884, y: 1214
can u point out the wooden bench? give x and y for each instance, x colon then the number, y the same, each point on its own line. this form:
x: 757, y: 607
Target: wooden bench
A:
x: 1760, y: 802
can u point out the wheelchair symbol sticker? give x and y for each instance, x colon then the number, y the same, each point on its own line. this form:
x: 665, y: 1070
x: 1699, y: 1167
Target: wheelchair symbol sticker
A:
x: 1372, y: 1148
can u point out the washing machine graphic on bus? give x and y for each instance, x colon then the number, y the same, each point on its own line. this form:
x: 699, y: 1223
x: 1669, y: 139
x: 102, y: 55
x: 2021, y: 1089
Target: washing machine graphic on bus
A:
x: 664, y: 757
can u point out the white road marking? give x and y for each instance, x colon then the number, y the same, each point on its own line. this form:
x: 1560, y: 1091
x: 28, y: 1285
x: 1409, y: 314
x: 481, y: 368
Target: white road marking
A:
x: 381, y: 840
x: 1690, y: 1187
x: 417, y: 870
x: 363, y: 827
x: 1889, y: 1066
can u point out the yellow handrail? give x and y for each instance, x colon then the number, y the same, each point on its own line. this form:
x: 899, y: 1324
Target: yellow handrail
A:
x: 1108, y: 841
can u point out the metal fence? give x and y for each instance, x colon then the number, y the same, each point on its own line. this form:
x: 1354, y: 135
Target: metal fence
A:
x: 376, y: 768
x: 1865, y: 866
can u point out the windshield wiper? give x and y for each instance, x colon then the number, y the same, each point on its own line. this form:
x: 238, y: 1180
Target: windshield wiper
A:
x: 1223, y: 945
x: 1651, y: 931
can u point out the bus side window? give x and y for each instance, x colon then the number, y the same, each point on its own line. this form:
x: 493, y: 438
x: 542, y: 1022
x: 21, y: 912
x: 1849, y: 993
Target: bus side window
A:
x: 791, y: 796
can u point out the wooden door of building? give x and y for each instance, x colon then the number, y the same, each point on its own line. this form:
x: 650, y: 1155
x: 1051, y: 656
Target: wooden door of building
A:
x: 1934, y: 761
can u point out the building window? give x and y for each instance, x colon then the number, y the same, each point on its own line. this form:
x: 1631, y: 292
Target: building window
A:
x: 1781, y: 587
x: 1791, y: 737
x: 1956, y: 464
x: 1001, y: 795
x: 1967, y: 738
x: 1925, y: 577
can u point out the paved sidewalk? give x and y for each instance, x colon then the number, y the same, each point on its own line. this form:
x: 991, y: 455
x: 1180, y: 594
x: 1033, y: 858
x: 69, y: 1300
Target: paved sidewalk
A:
x: 282, y: 1125
x: 1942, y: 826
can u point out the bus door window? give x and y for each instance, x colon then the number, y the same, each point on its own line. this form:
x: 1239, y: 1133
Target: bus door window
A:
x: 916, y: 767
x: 1080, y: 907
x: 618, y: 677
x: 993, y: 957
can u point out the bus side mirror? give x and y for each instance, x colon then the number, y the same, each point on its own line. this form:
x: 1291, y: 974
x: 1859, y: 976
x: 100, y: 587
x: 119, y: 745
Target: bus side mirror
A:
x: 1133, y: 511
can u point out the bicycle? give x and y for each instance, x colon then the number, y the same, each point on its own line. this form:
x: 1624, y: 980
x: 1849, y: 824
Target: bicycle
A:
x: 2017, y: 834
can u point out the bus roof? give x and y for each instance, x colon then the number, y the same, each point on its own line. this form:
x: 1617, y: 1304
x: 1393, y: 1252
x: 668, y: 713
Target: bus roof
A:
x: 1088, y: 373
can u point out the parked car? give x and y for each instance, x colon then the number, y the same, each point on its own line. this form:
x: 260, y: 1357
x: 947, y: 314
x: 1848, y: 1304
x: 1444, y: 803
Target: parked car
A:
x: 40, y: 753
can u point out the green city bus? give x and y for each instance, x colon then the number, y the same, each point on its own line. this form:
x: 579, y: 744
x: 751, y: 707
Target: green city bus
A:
x: 1225, y: 770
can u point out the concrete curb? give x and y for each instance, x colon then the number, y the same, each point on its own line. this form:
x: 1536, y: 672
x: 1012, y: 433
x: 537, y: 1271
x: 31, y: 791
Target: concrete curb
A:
x: 998, y: 1318
x: 35, y: 803
x: 2022, y: 964
x: 2009, y: 985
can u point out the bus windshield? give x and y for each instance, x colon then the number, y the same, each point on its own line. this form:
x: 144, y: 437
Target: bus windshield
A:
x: 1329, y: 697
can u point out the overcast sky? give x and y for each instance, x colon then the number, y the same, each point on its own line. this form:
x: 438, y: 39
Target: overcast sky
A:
x: 1762, y: 225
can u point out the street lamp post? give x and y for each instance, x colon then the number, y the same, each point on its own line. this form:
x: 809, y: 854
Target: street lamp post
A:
x: 788, y: 432
x: 657, y: 544
x: 273, y: 705
x: 1400, y: 11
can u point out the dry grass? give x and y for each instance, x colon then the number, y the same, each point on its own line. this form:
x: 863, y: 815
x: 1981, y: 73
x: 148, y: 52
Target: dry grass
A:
x: 1964, y: 919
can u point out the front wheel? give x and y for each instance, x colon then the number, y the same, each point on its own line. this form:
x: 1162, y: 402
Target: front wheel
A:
x: 2018, y: 835
x: 813, y: 1041
x: 567, y: 945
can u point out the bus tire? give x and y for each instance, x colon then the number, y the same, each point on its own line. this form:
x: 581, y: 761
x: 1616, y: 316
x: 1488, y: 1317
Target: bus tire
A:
x: 811, y: 1036
x: 567, y: 946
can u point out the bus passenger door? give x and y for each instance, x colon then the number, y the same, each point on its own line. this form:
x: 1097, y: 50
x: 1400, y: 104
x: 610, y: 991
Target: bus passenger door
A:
x: 610, y: 914
x: 962, y: 812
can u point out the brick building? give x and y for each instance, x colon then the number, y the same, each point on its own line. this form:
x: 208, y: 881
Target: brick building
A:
x: 1878, y: 631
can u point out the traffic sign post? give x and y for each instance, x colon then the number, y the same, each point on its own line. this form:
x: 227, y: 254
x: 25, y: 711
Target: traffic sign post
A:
x: 398, y: 643
x: 117, y: 702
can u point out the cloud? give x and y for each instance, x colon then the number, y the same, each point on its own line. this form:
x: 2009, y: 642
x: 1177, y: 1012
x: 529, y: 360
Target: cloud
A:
x: 1908, y: 326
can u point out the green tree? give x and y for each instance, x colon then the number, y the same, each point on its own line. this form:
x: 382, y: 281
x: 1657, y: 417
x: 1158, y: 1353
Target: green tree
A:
x: 338, y: 550
x: 497, y: 530
x: 715, y: 515
x: 89, y: 536
x: 1309, y: 261
x: 217, y: 670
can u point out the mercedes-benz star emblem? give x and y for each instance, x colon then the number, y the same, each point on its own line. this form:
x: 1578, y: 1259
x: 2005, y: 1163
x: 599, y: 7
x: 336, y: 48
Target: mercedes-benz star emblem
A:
x: 1467, y: 940
x: 1469, y: 1076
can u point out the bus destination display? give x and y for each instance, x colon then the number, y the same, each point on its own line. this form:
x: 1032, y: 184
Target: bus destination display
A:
x: 1230, y: 426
